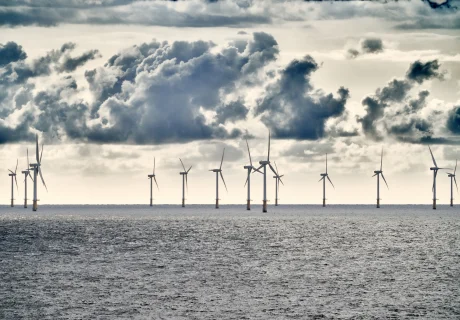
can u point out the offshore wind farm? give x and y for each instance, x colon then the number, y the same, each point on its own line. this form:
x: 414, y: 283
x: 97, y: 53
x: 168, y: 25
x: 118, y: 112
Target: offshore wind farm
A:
x: 300, y: 158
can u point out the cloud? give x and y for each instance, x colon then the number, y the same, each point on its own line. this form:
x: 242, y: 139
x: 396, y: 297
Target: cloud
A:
x: 292, y: 109
x: 11, y: 52
x: 392, y: 112
x: 366, y: 46
x: 151, y: 93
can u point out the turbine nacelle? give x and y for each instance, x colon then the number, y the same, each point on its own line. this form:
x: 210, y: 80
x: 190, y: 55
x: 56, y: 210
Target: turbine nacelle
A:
x: 264, y: 162
x: 377, y: 171
x: 216, y: 170
x: 434, y: 168
x: 247, y: 167
x: 323, y: 174
x: 151, y: 176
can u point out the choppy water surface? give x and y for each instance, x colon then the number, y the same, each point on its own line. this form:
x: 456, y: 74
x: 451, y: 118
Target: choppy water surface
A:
x: 165, y: 262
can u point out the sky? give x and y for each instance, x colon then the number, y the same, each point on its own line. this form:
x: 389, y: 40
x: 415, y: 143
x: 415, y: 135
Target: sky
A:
x: 109, y: 85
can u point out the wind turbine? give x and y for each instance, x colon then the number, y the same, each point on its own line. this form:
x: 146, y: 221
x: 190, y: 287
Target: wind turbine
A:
x: 13, y: 179
x: 378, y: 173
x: 26, y: 174
x: 36, y: 167
x: 184, y: 181
x: 219, y: 171
x: 277, y: 184
x: 452, y: 177
x: 152, y: 177
x: 435, y: 173
x: 250, y: 168
x: 264, y: 164
x: 324, y: 176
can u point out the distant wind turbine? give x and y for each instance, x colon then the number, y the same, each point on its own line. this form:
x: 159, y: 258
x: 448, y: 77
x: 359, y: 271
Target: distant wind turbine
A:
x: 219, y: 171
x: 435, y: 173
x: 452, y: 177
x: 13, y: 179
x: 378, y: 173
x: 152, y: 177
x: 324, y: 176
x: 264, y: 164
x: 26, y: 175
x: 184, y: 175
x: 250, y: 168
x: 36, y: 167
x: 277, y: 183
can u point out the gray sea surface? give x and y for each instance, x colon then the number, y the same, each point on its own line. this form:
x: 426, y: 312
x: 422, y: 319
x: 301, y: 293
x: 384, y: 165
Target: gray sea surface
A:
x: 168, y: 262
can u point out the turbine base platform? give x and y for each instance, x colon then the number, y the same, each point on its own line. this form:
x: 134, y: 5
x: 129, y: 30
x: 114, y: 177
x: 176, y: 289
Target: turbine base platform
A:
x: 324, y: 202
x: 217, y: 203
x: 25, y: 203
x: 378, y: 203
x: 183, y: 203
x: 248, y: 205
x: 451, y: 202
x: 264, y: 206
x: 34, y: 205
x: 434, y: 204
x: 12, y: 203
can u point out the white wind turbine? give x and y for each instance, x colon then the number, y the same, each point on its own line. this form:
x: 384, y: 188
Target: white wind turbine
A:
x: 219, y: 171
x: 324, y: 176
x: 250, y: 168
x: 277, y: 184
x: 435, y: 173
x: 36, y: 167
x: 13, y: 179
x: 264, y: 164
x: 452, y: 177
x: 26, y: 174
x: 152, y: 177
x: 184, y: 175
x: 378, y: 173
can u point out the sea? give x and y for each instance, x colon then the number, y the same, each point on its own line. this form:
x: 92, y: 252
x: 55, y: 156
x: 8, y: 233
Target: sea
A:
x: 198, y: 262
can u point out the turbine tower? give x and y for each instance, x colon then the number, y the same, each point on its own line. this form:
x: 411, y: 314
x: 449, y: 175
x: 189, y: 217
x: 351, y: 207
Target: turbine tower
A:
x: 250, y: 168
x: 264, y: 164
x: 277, y: 183
x: 452, y: 177
x: 378, y: 173
x: 152, y: 177
x: 13, y: 179
x: 435, y: 173
x: 184, y: 181
x: 26, y: 174
x: 324, y: 176
x: 219, y: 171
x: 36, y: 167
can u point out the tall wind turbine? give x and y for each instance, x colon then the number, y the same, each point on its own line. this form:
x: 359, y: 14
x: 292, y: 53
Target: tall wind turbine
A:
x: 277, y: 183
x: 452, y: 177
x: 184, y: 181
x: 435, y: 173
x: 26, y: 175
x: 36, y: 167
x: 13, y: 179
x: 324, y: 176
x: 219, y: 171
x: 264, y: 164
x: 250, y: 168
x: 378, y: 173
x: 152, y: 177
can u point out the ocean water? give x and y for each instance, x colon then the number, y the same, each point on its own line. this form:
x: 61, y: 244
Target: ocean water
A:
x: 167, y: 262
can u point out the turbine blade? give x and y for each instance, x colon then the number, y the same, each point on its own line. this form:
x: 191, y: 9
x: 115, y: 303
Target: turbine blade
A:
x: 330, y: 181
x: 36, y: 148
x: 434, y: 181
x: 249, y: 152
x: 15, y: 170
x: 16, y: 180
x: 321, y: 179
x: 31, y: 176
x: 385, y: 181
x: 279, y: 178
x: 28, y: 166
x: 269, y: 134
x: 434, y: 161
x: 189, y: 169
x: 222, y: 161
x: 326, y: 163
x: 154, y: 178
x: 154, y: 165
x: 258, y: 169
x: 381, y: 160
x: 186, y: 182
x: 456, y: 183
x: 222, y: 176
x: 375, y: 174
x: 41, y: 154
x: 455, y: 166
x: 41, y: 176
x: 276, y: 174
x: 182, y: 164
x: 10, y: 171
x: 246, y: 181
x: 276, y: 167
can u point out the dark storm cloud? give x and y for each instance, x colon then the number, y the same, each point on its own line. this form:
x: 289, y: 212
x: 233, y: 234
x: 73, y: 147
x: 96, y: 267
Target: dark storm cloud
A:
x: 70, y: 63
x: 11, y: 52
x: 453, y: 120
x: 419, y: 71
x: 366, y: 46
x: 152, y: 93
x: 392, y: 112
x: 440, y: 4
x: 292, y: 109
